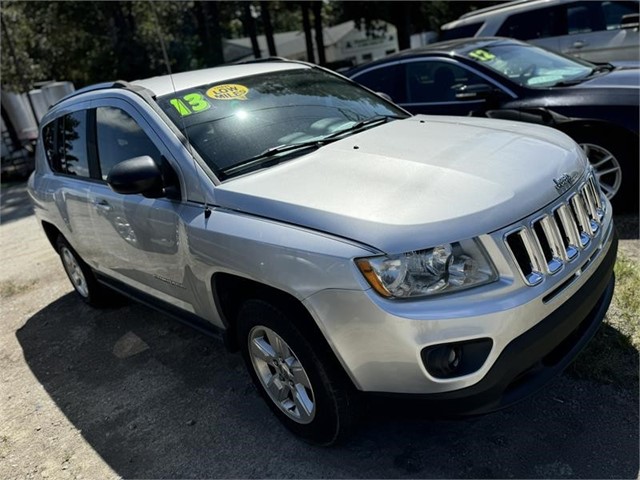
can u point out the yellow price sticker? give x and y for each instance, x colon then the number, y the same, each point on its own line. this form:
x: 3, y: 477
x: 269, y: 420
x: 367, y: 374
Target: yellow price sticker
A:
x: 482, y: 55
x: 228, y: 91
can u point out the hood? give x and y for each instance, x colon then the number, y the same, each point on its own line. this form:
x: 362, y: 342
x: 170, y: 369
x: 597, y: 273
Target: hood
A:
x: 413, y: 183
x: 618, y: 78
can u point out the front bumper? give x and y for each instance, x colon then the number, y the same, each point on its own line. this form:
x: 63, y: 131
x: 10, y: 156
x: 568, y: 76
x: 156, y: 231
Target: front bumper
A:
x: 379, y: 343
x: 535, y: 357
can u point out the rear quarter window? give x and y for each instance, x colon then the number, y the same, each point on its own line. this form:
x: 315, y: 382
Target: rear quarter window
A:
x: 65, y: 144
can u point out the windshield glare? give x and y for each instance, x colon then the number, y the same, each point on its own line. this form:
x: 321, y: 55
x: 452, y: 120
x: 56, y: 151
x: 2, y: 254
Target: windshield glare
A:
x: 231, y: 122
x: 530, y: 66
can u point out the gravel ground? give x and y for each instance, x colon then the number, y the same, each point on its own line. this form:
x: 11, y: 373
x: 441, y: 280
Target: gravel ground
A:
x: 127, y: 392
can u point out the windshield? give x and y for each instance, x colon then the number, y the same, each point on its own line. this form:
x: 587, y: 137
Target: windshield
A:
x: 238, y: 121
x: 531, y: 66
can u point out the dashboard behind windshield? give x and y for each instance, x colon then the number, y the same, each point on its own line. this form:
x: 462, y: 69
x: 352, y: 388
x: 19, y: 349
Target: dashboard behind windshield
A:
x: 230, y: 122
x: 530, y: 66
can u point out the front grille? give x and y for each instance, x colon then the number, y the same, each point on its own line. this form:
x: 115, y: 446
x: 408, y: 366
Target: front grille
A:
x: 546, y: 244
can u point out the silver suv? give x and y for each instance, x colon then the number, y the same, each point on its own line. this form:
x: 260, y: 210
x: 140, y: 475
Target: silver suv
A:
x: 595, y: 30
x: 344, y: 247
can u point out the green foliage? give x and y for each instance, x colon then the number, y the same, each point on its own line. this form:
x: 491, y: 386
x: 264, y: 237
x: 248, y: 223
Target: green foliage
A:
x: 88, y: 42
x: 96, y: 41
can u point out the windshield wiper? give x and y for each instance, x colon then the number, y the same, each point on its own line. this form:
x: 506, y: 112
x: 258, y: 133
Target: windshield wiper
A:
x: 367, y: 122
x: 265, y: 159
x: 600, y: 68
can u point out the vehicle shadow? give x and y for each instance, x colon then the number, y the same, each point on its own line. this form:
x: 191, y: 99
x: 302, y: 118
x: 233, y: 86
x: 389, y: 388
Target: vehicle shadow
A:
x: 627, y: 225
x: 156, y: 399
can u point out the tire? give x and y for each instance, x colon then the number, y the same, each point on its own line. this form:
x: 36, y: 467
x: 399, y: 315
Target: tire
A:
x: 82, y: 278
x: 616, y: 165
x: 298, y: 377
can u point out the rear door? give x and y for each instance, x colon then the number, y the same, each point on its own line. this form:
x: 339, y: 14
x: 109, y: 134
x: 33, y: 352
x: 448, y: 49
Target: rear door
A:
x: 65, y: 141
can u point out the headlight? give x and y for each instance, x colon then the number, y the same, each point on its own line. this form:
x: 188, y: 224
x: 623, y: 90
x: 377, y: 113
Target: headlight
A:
x: 446, y: 268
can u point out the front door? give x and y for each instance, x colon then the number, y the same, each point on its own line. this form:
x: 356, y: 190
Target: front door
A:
x: 142, y: 239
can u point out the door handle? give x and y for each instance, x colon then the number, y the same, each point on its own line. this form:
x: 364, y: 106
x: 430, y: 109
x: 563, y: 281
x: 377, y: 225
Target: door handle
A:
x: 579, y: 44
x: 102, y: 205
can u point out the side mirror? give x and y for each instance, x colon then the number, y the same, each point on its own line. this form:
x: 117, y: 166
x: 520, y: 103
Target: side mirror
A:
x: 630, y: 21
x: 477, y: 91
x: 137, y: 175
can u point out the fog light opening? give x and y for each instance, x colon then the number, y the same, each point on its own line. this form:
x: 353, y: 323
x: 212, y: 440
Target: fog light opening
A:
x: 451, y: 360
x: 445, y: 360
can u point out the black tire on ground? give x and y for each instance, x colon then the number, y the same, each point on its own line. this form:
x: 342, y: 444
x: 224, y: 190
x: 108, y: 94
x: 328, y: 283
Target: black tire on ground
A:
x: 332, y: 397
x: 599, y: 146
x: 82, y: 278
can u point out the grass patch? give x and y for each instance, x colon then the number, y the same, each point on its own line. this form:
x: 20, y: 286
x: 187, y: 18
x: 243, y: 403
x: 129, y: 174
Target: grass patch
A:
x: 627, y: 300
x: 612, y: 356
x: 9, y: 288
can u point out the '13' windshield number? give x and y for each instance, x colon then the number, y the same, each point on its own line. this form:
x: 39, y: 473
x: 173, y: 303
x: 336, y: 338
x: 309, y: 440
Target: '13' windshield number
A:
x: 190, y: 103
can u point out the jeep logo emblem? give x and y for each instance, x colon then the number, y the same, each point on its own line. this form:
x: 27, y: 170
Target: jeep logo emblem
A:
x: 563, y: 183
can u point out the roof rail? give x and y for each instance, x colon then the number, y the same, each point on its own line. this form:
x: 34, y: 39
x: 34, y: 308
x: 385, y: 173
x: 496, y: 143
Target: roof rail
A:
x: 493, y: 8
x: 97, y: 86
x: 260, y: 60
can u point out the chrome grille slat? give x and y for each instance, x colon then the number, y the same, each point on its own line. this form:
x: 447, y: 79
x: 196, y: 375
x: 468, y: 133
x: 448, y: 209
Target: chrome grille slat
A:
x: 535, y: 255
x: 544, y: 245
x: 583, y: 220
x: 591, y: 203
x: 552, y: 232
x: 570, y: 226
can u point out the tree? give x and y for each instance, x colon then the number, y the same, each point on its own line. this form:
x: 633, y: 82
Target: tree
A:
x: 317, y: 25
x: 207, y: 15
x: 408, y: 17
x: 268, y: 28
x: 250, y: 28
x: 306, y: 25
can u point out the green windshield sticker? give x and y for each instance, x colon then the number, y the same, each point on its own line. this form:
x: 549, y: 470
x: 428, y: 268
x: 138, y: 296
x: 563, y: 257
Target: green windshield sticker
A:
x: 229, y: 91
x: 190, y: 103
x: 482, y: 55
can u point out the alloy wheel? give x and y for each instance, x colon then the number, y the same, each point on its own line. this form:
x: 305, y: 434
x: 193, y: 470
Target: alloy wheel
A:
x: 74, y: 271
x: 282, y: 374
x: 607, y: 168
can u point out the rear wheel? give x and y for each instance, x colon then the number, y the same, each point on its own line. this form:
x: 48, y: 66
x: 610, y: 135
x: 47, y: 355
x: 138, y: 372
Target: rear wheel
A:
x: 298, y: 378
x: 81, y: 276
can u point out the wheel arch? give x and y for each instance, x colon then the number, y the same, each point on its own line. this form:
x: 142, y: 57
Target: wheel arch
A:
x: 579, y: 127
x: 230, y: 291
x: 52, y: 232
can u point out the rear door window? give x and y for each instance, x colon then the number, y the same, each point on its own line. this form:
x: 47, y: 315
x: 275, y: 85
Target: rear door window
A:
x: 388, y: 79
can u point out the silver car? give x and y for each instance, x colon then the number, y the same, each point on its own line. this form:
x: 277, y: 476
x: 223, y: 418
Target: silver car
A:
x: 599, y: 31
x: 346, y: 248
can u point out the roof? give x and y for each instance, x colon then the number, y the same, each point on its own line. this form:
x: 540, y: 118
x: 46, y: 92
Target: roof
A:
x: 166, y: 84
x: 498, y: 7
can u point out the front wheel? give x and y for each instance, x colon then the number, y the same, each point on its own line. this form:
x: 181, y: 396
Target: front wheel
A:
x: 299, y: 379
x: 616, y: 167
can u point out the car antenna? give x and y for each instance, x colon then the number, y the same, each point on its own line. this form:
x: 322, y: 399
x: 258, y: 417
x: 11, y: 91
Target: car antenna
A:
x: 207, y: 209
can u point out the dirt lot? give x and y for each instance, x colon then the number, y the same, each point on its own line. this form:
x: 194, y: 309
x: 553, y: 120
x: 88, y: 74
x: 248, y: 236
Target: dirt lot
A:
x: 128, y: 393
